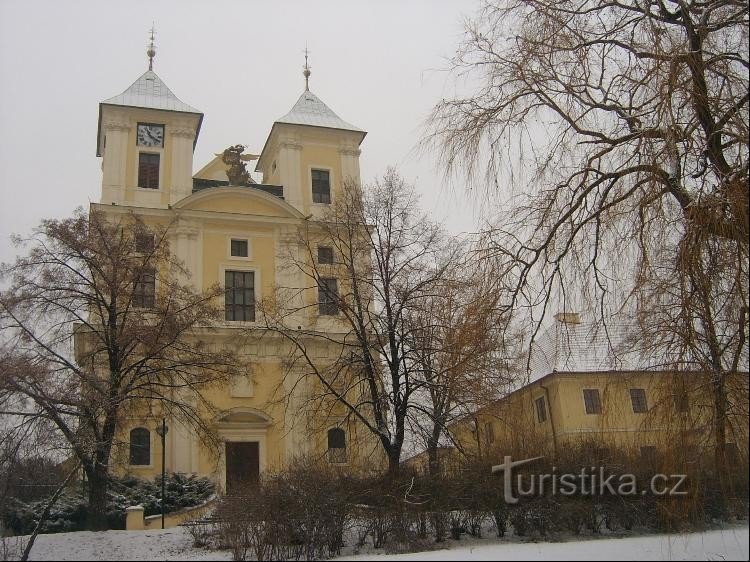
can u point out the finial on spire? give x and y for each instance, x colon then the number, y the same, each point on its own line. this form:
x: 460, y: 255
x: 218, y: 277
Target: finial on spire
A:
x: 151, y: 52
x: 306, y: 72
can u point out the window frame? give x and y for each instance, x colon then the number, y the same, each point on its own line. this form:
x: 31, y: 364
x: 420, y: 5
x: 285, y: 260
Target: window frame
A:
x: 148, y: 248
x: 330, y: 455
x: 328, y: 171
x: 489, y: 433
x: 332, y: 304
x: 328, y: 248
x: 598, y: 402
x: 642, y: 407
x: 158, y: 170
x: 236, y: 240
x: 130, y: 448
x: 140, y: 296
x: 254, y: 275
x: 540, y: 404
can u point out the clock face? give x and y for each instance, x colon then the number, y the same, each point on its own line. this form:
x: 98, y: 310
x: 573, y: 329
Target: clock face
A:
x: 150, y: 135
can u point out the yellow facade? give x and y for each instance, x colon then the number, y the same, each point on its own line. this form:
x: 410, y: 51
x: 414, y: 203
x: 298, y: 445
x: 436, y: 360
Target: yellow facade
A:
x: 514, y: 425
x: 202, y: 223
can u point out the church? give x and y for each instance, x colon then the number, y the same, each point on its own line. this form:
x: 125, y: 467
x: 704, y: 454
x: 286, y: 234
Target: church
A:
x: 232, y: 230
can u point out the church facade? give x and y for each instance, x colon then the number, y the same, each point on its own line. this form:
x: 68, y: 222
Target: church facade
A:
x: 237, y: 235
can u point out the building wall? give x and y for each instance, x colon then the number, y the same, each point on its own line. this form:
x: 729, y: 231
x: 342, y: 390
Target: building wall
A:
x: 516, y: 429
x: 201, y: 226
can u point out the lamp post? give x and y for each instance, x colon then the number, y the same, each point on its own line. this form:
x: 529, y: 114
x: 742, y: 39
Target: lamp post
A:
x: 162, y: 431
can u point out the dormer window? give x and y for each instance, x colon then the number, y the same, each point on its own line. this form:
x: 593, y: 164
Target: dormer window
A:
x: 148, y: 170
x: 321, y: 186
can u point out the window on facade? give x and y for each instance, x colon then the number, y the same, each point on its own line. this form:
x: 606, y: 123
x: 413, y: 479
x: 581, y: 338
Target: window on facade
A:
x: 732, y: 453
x: 239, y: 296
x: 239, y: 248
x: 328, y: 297
x: 140, y: 446
x: 638, y: 399
x: 489, y: 433
x: 321, y: 186
x: 541, y: 409
x: 681, y: 403
x: 148, y: 170
x: 592, y: 401
x: 599, y: 455
x: 144, y: 242
x: 145, y: 289
x: 325, y: 255
x: 336, y: 445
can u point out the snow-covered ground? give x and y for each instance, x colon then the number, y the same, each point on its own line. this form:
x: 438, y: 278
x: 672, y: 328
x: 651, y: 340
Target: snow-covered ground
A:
x: 730, y: 543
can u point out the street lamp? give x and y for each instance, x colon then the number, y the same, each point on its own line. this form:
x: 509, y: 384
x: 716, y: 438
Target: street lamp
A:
x: 162, y: 431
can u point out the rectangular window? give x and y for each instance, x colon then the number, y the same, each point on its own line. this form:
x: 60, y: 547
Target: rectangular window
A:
x: 144, y: 243
x: 328, y: 297
x: 239, y: 248
x: 681, y: 403
x: 239, y: 298
x: 489, y: 433
x: 325, y: 255
x: 145, y: 288
x: 638, y: 399
x: 732, y: 454
x: 541, y: 410
x: 321, y: 186
x: 592, y: 401
x: 336, y: 446
x: 148, y: 170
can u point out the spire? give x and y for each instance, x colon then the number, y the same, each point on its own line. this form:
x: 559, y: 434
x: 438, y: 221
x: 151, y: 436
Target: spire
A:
x: 151, y: 52
x: 306, y: 72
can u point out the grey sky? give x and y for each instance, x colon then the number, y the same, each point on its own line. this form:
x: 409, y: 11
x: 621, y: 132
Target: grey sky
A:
x: 376, y: 64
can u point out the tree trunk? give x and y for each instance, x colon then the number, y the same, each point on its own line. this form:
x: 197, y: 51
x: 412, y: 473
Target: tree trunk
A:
x: 97, y: 508
x: 720, y: 437
x: 433, y: 461
x: 394, y: 464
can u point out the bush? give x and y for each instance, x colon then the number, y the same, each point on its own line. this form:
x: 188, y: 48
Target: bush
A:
x: 71, y: 509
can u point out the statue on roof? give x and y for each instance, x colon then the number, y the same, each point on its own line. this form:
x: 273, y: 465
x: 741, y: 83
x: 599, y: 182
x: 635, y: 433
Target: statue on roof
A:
x: 236, y: 167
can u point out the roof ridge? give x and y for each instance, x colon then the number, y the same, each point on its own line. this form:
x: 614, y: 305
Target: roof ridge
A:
x: 150, y: 91
x: 311, y: 110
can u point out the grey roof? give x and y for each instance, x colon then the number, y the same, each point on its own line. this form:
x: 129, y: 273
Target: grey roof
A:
x: 150, y: 92
x: 309, y: 110
x: 588, y: 347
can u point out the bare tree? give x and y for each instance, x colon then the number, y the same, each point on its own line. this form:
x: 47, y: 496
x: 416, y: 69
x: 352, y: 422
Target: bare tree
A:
x: 102, y: 327
x: 461, y: 345
x: 384, y: 263
x: 626, y: 123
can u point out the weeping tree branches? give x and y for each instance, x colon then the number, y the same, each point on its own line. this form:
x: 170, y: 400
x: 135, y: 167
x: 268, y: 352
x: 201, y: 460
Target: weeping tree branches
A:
x: 625, y: 125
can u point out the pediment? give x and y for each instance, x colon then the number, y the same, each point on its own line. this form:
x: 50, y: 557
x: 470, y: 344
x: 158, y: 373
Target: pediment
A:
x: 243, y: 417
x: 238, y: 200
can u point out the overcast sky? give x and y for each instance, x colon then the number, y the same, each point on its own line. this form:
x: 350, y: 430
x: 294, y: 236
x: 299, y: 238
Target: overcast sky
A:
x: 378, y: 65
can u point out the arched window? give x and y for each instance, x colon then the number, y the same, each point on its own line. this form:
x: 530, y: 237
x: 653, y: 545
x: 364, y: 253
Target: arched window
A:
x: 336, y: 445
x: 140, y: 446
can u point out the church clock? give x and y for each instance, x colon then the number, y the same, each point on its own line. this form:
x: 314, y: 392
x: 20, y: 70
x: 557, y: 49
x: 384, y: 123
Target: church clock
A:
x: 150, y: 135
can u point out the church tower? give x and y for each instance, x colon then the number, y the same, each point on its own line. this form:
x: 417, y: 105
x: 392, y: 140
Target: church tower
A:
x: 312, y: 152
x: 146, y: 139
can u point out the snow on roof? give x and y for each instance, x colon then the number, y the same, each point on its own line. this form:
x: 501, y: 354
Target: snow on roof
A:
x: 150, y: 92
x: 575, y: 346
x: 309, y: 110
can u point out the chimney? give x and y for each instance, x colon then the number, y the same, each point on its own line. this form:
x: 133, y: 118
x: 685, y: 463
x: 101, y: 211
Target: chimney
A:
x: 568, y: 317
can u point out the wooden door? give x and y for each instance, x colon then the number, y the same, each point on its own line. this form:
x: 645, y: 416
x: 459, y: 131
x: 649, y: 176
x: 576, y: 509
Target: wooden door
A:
x: 243, y: 466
